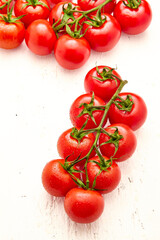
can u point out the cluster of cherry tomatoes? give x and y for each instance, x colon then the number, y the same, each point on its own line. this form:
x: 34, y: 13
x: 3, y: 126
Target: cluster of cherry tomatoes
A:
x: 104, y: 120
x: 70, y: 30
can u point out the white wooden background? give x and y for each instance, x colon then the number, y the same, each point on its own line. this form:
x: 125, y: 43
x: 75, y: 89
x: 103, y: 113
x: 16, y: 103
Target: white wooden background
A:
x: 35, y: 97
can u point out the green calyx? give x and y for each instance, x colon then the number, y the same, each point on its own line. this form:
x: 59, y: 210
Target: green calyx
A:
x: 106, y: 74
x: 133, y: 4
x: 96, y: 21
x: 114, y: 138
x: 34, y: 3
x: 89, y: 108
x: 124, y: 104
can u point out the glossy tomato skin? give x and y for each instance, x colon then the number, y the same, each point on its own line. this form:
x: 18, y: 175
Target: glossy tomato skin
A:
x: 31, y: 13
x: 83, y: 206
x: 133, y: 21
x: 127, y: 144
x: 75, y: 110
x: 89, y: 4
x: 103, y: 89
x: 107, y: 180
x: 71, y: 53
x: 56, y: 180
x: 40, y: 37
x: 57, y: 13
x: 105, y: 37
x: 11, y: 34
x: 135, y: 118
x: 69, y: 146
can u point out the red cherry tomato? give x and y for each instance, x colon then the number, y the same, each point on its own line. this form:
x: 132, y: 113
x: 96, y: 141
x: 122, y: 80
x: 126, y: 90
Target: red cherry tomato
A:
x: 74, y: 148
x: 83, y: 206
x: 40, y: 37
x: 56, y: 180
x: 124, y: 138
x: 11, y: 33
x: 135, y: 117
x: 107, y: 180
x: 77, y: 109
x: 89, y: 4
x: 133, y: 21
x: 105, y: 37
x: 71, y: 53
x: 57, y: 14
x: 32, y: 12
x: 101, y: 82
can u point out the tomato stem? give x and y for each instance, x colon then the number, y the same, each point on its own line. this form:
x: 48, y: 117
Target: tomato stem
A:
x: 98, y: 131
x: 76, y: 21
x: 133, y: 4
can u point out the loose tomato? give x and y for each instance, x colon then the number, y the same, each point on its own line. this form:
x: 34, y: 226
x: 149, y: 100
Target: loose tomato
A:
x: 104, y: 37
x: 40, y: 37
x: 80, y: 114
x: 59, y: 15
x: 56, y: 180
x: 119, y: 142
x: 133, y: 20
x: 71, y: 53
x: 11, y: 33
x: 103, y: 81
x: 130, y: 110
x: 72, y: 145
x: 89, y: 4
x: 33, y: 10
x: 83, y: 206
x: 107, y: 178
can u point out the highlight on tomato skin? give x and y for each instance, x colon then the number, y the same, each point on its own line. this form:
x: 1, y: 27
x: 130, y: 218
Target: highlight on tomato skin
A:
x: 56, y: 180
x: 72, y: 148
x: 83, y: 206
x: 103, y: 81
x: 76, y: 110
x: 134, y: 117
x: 133, y: 21
x: 71, y: 53
x: 106, y: 36
x: 108, y: 179
x: 40, y: 37
x: 120, y: 136
x: 11, y: 33
x: 39, y: 9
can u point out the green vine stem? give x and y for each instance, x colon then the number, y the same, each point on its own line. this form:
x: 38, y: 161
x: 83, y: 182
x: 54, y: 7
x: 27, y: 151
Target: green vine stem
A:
x: 98, y: 131
x: 76, y: 21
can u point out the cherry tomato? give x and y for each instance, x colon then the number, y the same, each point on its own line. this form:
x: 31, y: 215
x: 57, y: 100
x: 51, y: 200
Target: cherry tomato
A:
x: 133, y: 21
x: 39, y: 9
x: 74, y: 148
x: 104, y: 37
x: 71, y: 53
x: 83, y: 206
x: 102, y: 81
x: 93, y: 117
x: 40, y: 37
x: 11, y: 33
x: 123, y: 139
x: 56, y: 180
x: 57, y: 14
x: 89, y: 4
x: 132, y: 111
x: 109, y: 177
